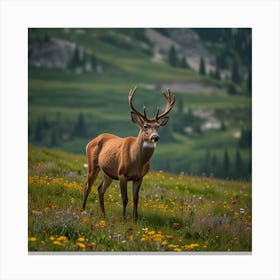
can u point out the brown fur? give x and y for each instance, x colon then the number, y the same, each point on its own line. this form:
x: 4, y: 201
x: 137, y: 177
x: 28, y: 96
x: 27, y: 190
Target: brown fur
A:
x: 123, y: 159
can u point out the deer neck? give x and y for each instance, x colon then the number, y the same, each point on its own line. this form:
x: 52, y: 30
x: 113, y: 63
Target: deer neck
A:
x: 145, y: 149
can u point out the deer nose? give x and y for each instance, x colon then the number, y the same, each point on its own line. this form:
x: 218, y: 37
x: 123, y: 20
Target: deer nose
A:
x: 155, y: 138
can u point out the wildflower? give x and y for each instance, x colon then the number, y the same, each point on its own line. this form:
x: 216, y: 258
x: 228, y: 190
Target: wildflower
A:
x: 130, y: 237
x: 170, y: 237
x: 176, y: 225
x: 164, y: 243
x: 58, y: 243
x: 85, y: 219
x: 158, y: 237
x: 151, y: 232
x: 52, y: 238
x: 117, y: 235
x: 101, y: 224
x: 37, y: 214
x: 32, y: 239
x: 91, y: 244
x: 81, y: 239
x: 172, y: 246
x: 62, y: 238
x: 242, y: 210
x: 177, y: 249
x: 191, y: 246
x: 81, y: 245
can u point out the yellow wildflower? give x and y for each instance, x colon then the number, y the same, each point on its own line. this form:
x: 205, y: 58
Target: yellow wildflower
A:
x: 176, y: 249
x: 172, y: 246
x: 151, y: 232
x: 58, y: 243
x: 85, y: 219
x: 32, y: 239
x: 80, y: 245
x: 81, y: 239
x: 61, y: 238
x: 102, y: 223
x: 191, y: 246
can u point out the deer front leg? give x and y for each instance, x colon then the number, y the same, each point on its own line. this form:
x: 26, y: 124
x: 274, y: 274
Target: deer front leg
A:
x: 135, y: 191
x: 123, y: 186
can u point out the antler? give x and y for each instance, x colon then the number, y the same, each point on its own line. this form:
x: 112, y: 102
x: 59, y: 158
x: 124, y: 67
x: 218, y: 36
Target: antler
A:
x: 133, y: 109
x: 169, y: 105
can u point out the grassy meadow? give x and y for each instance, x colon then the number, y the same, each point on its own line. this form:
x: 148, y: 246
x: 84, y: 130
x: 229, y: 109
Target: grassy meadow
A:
x: 177, y: 213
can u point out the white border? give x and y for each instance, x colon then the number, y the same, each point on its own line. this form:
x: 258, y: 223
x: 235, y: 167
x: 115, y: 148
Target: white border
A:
x: 17, y: 16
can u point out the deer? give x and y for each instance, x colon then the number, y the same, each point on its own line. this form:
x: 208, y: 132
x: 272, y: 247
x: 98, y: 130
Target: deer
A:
x: 125, y: 159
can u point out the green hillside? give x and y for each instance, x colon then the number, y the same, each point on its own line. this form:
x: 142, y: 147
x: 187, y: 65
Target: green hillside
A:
x: 177, y: 213
x: 70, y: 106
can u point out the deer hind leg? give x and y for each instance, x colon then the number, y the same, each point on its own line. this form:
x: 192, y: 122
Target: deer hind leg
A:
x: 101, y: 191
x: 123, y: 186
x: 91, y: 176
x: 135, y: 191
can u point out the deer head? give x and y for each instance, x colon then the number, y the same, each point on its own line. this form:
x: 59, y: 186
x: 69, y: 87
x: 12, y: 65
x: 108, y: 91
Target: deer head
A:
x: 149, y: 127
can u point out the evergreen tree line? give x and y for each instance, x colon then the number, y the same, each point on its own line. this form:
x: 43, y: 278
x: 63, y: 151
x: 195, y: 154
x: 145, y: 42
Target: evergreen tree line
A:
x: 237, y: 42
x: 80, y: 58
x: 226, y: 167
x: 175, y: 60
x: 236, y: 74
x: 53, y: 133
x: 245, y: 140
x: 235, y: 57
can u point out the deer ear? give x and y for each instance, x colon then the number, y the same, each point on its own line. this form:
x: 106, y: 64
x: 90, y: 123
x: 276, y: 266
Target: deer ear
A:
x: 136, y: 119
x: 163, y: 121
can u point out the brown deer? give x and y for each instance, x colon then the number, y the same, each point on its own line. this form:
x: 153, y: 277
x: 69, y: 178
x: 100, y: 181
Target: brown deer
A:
x: 125, y: 159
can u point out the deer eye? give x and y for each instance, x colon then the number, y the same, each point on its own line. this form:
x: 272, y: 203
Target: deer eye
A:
x: 146, y: 126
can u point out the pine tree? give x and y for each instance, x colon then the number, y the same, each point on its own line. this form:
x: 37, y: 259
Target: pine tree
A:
x: 214, y: 166
x: 217, y: 74
x: 245, y: 140
x: 207, y: 164
x: 226, y: 165
x: 238, y: 166
x: 235, y: 75
x: 202, y: 70
x: 80, y: 129
x: 184, y: 63
x: 172, y: 56
x: 179, y: 124
x: 249, y: 82
x: 55, y: 137
x: 38, y: 134
x: 223, y: 126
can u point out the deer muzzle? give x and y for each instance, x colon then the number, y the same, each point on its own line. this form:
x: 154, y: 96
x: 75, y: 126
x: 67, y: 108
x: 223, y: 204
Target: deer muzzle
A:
x: 154, y: 138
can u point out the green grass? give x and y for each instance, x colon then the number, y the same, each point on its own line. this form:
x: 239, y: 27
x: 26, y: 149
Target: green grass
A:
x: 177, y: 213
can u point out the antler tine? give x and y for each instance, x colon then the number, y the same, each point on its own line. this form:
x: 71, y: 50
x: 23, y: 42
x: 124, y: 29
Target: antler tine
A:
x: 157, y: 112
x: 145, y: 115
x: 170, y: 100
x: 130, y: 98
